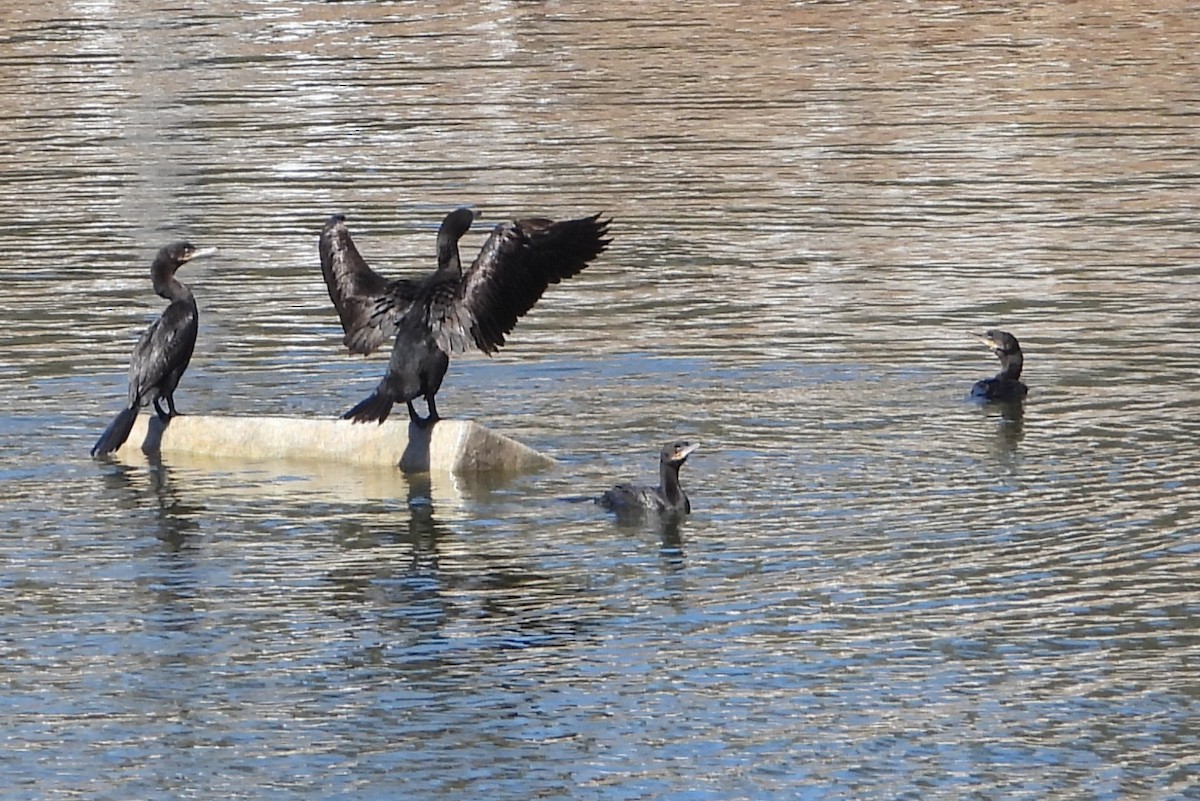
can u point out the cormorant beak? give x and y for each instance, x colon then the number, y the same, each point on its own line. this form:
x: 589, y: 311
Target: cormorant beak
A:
x: 686, y: 452
x: 985, y: 339
x: 198, y: 253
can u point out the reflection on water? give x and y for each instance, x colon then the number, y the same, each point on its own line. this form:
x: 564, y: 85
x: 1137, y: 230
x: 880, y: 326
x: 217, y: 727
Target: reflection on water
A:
x: 884, y: 589
x: 1010, y: 426
x: 176, y: 519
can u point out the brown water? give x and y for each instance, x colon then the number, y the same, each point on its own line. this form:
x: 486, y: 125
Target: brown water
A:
x: 885, y: 591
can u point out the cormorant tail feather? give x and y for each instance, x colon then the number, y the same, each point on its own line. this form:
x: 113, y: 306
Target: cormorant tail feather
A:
x: 117, y: 432
x: 374, y: 409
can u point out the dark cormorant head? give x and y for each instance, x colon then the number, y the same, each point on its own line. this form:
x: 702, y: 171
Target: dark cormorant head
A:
x: 179, y: 253
x: 1002, y: 343
x: 453, y: 227
x: 676, y: 453
x: 172, y: 257
x: 457, y: 223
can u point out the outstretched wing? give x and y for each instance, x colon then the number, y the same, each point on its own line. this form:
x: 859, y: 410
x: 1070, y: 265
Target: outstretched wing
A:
x: 518, y: 261
x: 366, y: 302
x: 163, y: 348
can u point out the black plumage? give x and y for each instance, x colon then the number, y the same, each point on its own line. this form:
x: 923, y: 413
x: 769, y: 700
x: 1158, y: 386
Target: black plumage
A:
x: 667, y: 498
x: 1006, y: 386
x: 164, y: 350
x: 450, y: 309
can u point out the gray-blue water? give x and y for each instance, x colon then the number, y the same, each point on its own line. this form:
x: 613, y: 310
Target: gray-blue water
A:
x: 884, y: 591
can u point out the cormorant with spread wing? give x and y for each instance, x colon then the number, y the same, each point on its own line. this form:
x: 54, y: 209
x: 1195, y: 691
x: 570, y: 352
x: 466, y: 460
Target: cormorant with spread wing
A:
x: 450, y: 309
x: 164, y: 349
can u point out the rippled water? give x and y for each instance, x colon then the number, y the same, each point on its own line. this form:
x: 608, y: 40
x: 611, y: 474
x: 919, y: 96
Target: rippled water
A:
x: 884, y: 592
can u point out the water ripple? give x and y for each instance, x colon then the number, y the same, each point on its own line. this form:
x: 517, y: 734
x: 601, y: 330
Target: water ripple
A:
x: 885, y: 590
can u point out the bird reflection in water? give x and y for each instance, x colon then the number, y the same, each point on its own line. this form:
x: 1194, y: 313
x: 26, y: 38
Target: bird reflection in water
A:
x: 666, y: 526
x: 671, y: 537
x: 1010, y: 429
x: 1006, y: 421
x: 392, y: 600
x: 174, y: 519
x: 423, y: 528
x: 168, y: 569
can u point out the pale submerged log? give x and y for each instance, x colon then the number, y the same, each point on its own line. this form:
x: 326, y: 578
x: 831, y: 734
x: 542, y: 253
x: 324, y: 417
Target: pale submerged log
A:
x: 455, y: 446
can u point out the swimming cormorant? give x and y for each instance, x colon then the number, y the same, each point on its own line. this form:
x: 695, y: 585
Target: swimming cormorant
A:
x: 450, y: 309
x: 164, y: 349
x: 1006, y: 386
x: 667, y: 498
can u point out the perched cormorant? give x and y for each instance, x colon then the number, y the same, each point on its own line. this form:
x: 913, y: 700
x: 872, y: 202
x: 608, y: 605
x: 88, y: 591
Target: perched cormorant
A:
x: 1006, y: 386
x: 164, y: 349
x: 667, y: 498
x: 450, y: 309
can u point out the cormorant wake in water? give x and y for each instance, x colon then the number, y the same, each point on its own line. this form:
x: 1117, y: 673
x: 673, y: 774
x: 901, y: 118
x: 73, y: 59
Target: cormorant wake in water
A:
x: 667, y: 498
x: 451, y: 308
x: 1006, y: 386
x: 164, y: 349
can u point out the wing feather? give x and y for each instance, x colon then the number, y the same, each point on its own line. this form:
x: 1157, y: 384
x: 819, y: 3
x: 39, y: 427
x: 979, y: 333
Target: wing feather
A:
x: 365, y: 301
x: 510, y: 274
x: 164, y: 347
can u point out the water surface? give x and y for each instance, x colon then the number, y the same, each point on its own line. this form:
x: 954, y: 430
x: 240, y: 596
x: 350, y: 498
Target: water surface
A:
x: 885, y: 591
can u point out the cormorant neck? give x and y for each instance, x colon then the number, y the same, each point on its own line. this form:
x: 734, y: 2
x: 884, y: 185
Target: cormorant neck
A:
x: 166, y: 285
x: 1010, y: 366
x: 447, y: 254
x: 668, y: 476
